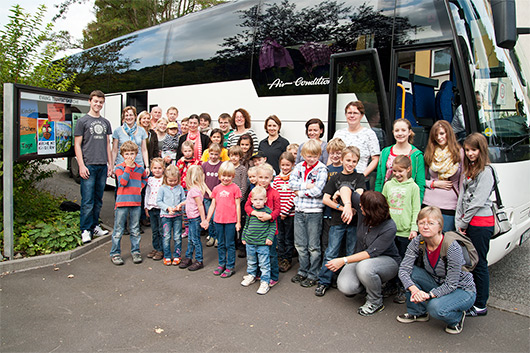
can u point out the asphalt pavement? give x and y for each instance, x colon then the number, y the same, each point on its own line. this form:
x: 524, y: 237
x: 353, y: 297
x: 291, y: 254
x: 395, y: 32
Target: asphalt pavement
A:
x: 88, y: 304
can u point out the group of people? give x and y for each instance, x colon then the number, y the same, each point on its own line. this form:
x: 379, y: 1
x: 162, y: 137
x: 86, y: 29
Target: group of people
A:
x: 274, y: 200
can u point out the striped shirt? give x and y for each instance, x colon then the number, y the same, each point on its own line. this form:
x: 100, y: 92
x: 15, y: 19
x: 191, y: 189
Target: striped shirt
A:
x: 130, y: 182
x: 281, y: 184
x: 257, y: 232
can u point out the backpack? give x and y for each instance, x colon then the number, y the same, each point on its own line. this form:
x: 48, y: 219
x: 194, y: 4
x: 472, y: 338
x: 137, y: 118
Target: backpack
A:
x: 468, y: 250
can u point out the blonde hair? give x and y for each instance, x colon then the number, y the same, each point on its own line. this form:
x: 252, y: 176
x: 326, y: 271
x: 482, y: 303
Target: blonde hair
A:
x: 128, y: 146
x: 351, y: 150
x: 227, y: 168
x: 188, y: 143
x: 335, y: 144
x: 214, y: 147
x: 140, y: 116
x: 195, y: 177
x: 252, y: 170
x: 294, y: 146
x: 311, y: 147
x: 172, y: 108
x: 236, y: 150
x: 125, y: 110
x: 431, y: 212
x: 159, y: 161
x: 258, y: 191
x: 266, y: 167
x: 171, y: 172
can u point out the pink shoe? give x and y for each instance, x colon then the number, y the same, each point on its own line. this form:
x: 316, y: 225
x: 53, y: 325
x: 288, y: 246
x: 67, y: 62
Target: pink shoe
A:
x: 185, y: 235
x: 272, y: 283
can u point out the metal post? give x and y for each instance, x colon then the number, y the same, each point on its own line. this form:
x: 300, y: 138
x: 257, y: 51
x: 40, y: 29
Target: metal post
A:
x: 9, y: 111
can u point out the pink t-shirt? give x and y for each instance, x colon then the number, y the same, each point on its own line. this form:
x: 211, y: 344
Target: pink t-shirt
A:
x: 192, y: 210
x: 225, y: 203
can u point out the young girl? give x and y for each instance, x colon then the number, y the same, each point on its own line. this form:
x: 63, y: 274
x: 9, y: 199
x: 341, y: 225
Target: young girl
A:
x: 171, y: 142
x: 152, y: 209
x: 245, y: 142
x: 226, y: 198
x: 188, y: 159
x: 211, y: 179
x: 169, y: 199
x: 216, y: 137
x: 473, y: 212
x: 195, y: 212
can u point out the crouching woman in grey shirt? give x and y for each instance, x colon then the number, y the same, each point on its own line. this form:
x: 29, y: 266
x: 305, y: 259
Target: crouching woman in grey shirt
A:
x: 436, y: 284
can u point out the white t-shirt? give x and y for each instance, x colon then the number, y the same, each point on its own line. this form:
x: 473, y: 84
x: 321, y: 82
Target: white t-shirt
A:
x: 365, y: 140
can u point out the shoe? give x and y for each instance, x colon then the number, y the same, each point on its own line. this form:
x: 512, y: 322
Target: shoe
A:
x: 185, y: 263
x: 142, y: 231
x: 369, y: 309
x: 242, y: 253
x: 116, y: 260
x: 145, y: 222
x: 176, y: 261
x: 263, y: 288
x: 215, y: 244
x: 227, y: 273
x: 151, y: 254
x: 409, y: 318
x: 272, y: 283
x: 298, y: 278
x: 284, y: 265
x: 456, y: 329
x: 158, y: 256
x: 197, y: 265
x: 321, y: 290
x: 400, y: 297
x: 98, y: 231
x: 185, y: 234
x: 474, y: 311
x: 248, y: 280
x: 167, y: 262
x: 218, y: 270
x: 389, y: 289
x: 306, y: 283
x: 210, y: 241
x: 137, y: 258
x: 85, y: 236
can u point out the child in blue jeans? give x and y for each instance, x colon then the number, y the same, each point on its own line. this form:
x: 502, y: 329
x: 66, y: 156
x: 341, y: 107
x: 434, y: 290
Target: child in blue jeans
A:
x: 154, y: 183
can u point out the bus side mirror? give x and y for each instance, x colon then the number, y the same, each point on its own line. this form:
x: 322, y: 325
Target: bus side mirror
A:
x: 504, y: 22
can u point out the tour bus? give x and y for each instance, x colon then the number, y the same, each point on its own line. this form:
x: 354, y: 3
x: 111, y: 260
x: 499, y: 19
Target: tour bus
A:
x: 417, y: 59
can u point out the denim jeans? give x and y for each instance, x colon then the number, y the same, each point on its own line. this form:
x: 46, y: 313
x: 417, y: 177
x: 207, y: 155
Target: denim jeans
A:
x: 480, y: 237
x: 172, y: 227
x: 259, y: 254
x: 367, y: 274
x: 156, y: 228
x: 307, y: 228
x: 275, y: 268
x: 92, y: 196
x: 449, y: 223
x: 447, y: 308
x: 120, y: 219
x: 226, y: 245
x: 194, y: 239
x: 336, y: 234
x: 211, y: 227
x: 286, y: 238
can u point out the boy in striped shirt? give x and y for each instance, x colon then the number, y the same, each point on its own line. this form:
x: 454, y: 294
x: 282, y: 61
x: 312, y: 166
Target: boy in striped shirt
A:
x: 131, y: 178
x: 258, y: 236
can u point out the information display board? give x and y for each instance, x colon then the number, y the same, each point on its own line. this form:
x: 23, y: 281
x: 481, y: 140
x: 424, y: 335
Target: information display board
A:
x: 44, y: 122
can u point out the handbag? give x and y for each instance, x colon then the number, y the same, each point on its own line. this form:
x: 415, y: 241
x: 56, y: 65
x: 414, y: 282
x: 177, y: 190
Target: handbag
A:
x: 502, y: 222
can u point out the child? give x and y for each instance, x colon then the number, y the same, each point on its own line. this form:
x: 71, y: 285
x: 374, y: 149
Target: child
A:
x: 195, y: 212
x: 338, y: 229
x: 258, y: 158
x: 216, y: 137
x: 187, y: 160
x: 258, y: 236
x: 265, y: 173
x: 473, y: 212
x: 204, y: 123
x: 285, y: 223
x: 308, y: 180
x: 152, y: 209
x: 226, y: 198
x: 171, y: 143
x: 225, y: 121
x: 170, y: 198
x: 131, y: 178
x: 293, y: 149
x: 184, y: 126
x: 246, y: 144
x: 240, y: 179
x: 252, y: 177
x: 211, y: 172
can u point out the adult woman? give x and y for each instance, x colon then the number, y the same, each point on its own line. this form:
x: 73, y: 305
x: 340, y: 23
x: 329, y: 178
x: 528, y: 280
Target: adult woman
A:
x: 161, y: 128
x: 144, y: 121
x: 314, y: 130
x: 241, y: 125
x: 130, y: 131
x: 362, y: 137
x: 274, y: 145
x: 375, y: 259
x: 444, y: 158
x: 200, y: 140
x: 436, y: 284
x: 404, y: 136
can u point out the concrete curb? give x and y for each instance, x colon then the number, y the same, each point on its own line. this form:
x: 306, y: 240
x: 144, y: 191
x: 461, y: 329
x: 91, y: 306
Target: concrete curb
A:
x: 508, y: 306
x: 31, y: 263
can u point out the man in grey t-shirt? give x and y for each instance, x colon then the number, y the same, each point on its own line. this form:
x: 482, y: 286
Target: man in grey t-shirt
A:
x: 93, y: 153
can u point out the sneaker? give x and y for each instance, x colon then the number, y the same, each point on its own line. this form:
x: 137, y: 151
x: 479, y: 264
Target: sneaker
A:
x: 210, y: 241
x: 242, y: 253
x: 248, y: 280
x: 298, y: 278
x: 369, y: 309
x: 185, y: 234
x: 306, y: 283
x: 137, y: 258
x: 167, y: 262
x: 98, y: 231
x: 263, y: 288
x: 409, y: 318
x: 85, y: 236
x: 116, y: 260
x: 389, y: 289
x: 456, y: 329
x: 400, y: 297
x: 185, y: 263
x: 474, y: 311
x: 218, y: 270
x: 321, y: 290
x: 272, y: 283
x: 197, y: 265
x: 176, y: 261
x: 151, y: 254
x: 158, y: 256
x: 284, y: 265
x: 215, y: 244
x: 227, y: 273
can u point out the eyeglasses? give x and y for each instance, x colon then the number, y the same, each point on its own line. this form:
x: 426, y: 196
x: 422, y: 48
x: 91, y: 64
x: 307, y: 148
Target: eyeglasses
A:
x: 430, y: 223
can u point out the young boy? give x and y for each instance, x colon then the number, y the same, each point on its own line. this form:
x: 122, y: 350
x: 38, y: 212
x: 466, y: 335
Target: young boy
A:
x: 93, y: 152
x: 131, y: 178
x: 293, y: 149
x: 171, y: 143
x: 211, y: 179
x: 356, y: 182
x: 258, y: 236
x: 307, y: 181
x: 225, y: 124
x: 258, y: 158
x: 204, y: 123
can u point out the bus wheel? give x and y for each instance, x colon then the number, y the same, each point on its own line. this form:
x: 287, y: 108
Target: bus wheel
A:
x: 74, y: 170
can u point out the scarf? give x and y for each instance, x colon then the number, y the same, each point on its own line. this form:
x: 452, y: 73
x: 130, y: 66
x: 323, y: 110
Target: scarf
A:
x: 443, y: 163
x: 131, y: 131
x: 284, y: 177
x: 197, y: 144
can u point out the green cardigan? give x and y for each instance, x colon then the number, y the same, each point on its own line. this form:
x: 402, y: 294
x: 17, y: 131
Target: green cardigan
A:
x: 418, y: 169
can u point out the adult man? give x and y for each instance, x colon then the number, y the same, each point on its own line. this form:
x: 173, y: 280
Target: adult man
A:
x: 225, y: 126
x: 94, y: 158
x: 156, y: 113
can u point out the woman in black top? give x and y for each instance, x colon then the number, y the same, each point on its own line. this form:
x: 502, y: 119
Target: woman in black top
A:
x: 274, y: 145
